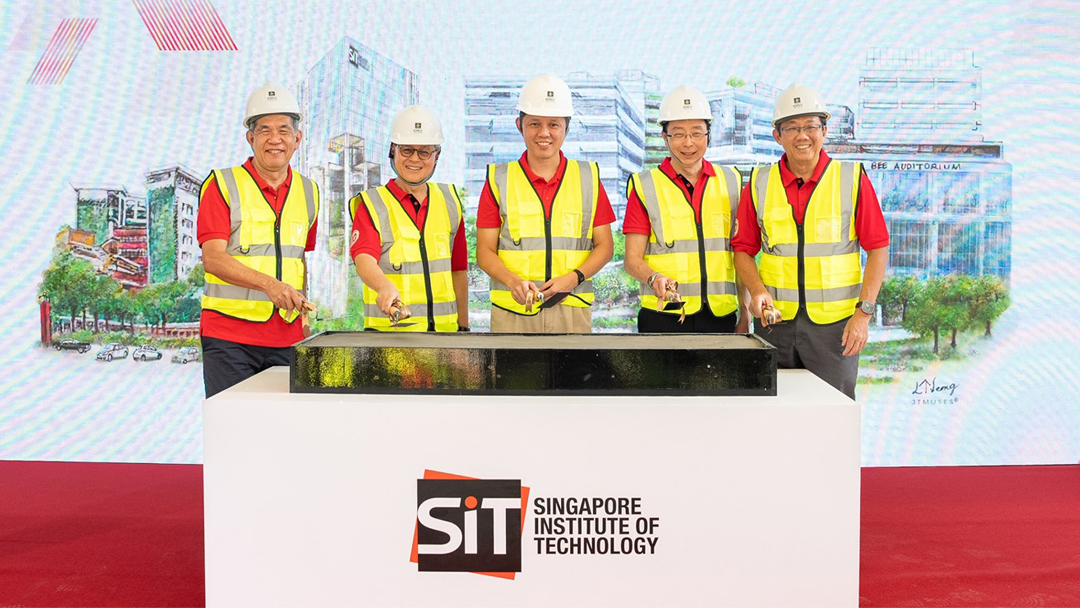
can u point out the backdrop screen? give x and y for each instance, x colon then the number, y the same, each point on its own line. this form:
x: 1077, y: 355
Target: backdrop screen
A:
x: 961, y: 113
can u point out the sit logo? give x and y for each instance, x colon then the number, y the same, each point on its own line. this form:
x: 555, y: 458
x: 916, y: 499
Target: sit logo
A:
x: 468, y: 525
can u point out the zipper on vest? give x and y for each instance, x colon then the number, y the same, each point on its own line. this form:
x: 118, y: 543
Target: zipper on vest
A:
x: 547, y: 239
x: 277, y: 245
x: 801, y: 266
x: 427, y: 283
x: 701, y: 260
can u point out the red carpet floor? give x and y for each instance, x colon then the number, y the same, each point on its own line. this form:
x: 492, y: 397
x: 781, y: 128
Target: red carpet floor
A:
x: 971, y: 536
x: 78, y: 534
x: 84, y: 534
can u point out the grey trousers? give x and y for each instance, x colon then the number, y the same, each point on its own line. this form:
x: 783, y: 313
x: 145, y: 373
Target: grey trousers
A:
x: 802, y: 344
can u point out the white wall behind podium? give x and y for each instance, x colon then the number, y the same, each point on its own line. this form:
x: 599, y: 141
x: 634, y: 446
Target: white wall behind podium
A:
x: 312, y: 499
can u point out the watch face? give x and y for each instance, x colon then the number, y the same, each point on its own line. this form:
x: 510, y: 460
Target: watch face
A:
x: 867, y: 307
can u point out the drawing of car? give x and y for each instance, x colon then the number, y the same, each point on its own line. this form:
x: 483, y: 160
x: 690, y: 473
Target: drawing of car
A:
x: 187, y: 353
x: 112, y: 350
x: 69, y: 344
x: 146, y: 353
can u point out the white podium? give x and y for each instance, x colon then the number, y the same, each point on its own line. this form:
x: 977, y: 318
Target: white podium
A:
x: 312, y: 500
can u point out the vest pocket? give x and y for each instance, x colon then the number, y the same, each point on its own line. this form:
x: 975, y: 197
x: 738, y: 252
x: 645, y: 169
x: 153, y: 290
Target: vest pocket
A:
x: 442, y: 245
x: 298, y: 229
x: 572, y: 224
x: 827, y: 229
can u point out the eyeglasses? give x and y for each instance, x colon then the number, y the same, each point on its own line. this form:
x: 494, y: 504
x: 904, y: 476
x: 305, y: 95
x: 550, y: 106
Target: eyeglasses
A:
x: 265, y: 131
x: 695, y: 136
x: 808, y: 129
x: 423, y: 153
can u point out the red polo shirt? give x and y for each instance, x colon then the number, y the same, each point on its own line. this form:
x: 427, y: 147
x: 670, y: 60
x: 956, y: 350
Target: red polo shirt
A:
x: 487, y: 213
x: 869, y: 222
x: 214, y: 223
x: 366, y: 239
x: 637, y: 221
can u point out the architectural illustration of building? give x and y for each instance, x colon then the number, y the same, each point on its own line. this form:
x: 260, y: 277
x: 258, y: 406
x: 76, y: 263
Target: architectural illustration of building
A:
x: 742, y: 129
x: 647, y: 95
x: 348, y: 99
x: 608, y: 128
x: 100, y: 209
x: 919, y: 95
x: 110, y: 233
x: 172, y: 201
x: 946, y: 193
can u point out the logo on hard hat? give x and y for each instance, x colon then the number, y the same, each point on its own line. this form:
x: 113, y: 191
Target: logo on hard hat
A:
x: 686, y: 102
x: 798, y: 100
x: 418, y: 126
x: 270, y: 93
x: 551, y: 95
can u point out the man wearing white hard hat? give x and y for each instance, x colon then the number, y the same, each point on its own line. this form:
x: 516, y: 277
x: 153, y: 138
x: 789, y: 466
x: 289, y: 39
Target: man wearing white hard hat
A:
x: 811, y: 217
x: 543, y: 223
x: 255, y: 223
x: 408, y: 238
x: 679, y: 221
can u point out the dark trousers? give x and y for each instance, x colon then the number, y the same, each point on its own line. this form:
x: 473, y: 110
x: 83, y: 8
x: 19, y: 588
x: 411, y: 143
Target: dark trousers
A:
x: 701, y: 322
x: 802, y: 344
x: 227, y: 363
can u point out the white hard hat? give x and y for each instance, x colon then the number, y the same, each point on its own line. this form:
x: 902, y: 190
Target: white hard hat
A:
x: 798, y: 100
x: 685, y: 103
x: 416, y: 126
x: 546, y: 95
x: 270, y: 99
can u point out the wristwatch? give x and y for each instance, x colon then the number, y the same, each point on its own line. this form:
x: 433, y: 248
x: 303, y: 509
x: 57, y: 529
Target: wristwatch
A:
x: 867, y: 307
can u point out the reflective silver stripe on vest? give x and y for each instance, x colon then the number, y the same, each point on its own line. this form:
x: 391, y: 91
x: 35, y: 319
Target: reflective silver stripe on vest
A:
x: 734, y: 181
x: 652, y: 206
x: 815, y: 250
x: 585, y: 287
x: 715, y: 245
x: 419, y: 311
x: 452, y: 209
x: 309, y: 194
x: 440, y: 265
x: 847, y: 208
x: 847, y: 205
x: 500, y: 184
x: 539, y: 243
x: 761, y: 189
x: 236, y: 215
x: 236, y: 218
x: 836, y: 294
x: 694, y: 289
x: 386, y: 233
x: 233, y: 292
x: 585, y: 169
x: 782, y: 295
x: 287, y: 251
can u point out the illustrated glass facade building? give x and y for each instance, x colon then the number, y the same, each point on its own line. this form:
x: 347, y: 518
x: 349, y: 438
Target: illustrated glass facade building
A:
x: 742, y: 129
x: 112, y: 226
x: 172, y: 201
x: 608, y: 127
x: 349, y: 99
x: 945, y: 192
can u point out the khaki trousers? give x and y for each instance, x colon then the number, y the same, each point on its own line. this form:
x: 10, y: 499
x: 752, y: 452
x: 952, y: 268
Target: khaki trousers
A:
x: 555, y: 320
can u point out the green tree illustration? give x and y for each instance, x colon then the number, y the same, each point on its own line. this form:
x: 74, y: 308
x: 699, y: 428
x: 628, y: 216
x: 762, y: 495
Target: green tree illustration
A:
x: 989, y: 299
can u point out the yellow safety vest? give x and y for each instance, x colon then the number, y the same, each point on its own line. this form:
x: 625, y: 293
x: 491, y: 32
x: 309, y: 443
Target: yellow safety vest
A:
x: 534, y: 247
x: 816, y: 264
x: 695, y: 254
x: 261, y: 240
x: 418, y: 264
